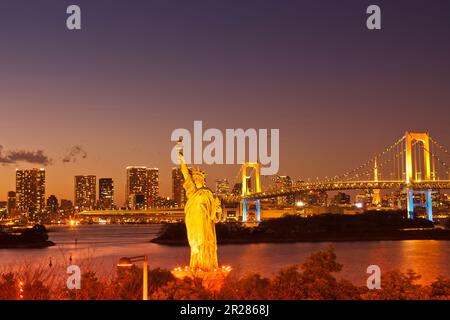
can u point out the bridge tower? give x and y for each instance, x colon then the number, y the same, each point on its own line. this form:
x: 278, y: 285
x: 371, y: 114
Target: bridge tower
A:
x: 411, y: 177
x: 246, y: 190
x: 376, y: 192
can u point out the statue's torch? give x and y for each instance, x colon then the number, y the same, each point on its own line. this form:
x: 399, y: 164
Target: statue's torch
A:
x: 180, y: 145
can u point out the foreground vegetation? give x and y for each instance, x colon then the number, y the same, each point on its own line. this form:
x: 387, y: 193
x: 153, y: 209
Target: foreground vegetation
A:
x: 315, y: 278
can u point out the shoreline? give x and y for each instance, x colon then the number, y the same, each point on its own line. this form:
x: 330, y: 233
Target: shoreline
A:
x: 37, y: 245
x: 434, y: 234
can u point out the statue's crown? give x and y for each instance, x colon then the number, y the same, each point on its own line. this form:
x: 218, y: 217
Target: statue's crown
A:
x: 197, y: 171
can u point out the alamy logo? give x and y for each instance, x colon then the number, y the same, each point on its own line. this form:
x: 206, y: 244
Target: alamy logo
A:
x: 74, y: 280
x: 374, y: 280
x: 374, y: 20
x: 229, y: 149
x: 73, y: 21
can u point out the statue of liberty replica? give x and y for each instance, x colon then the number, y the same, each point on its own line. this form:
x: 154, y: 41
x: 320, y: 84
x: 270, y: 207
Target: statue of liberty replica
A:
x: 202, y: 211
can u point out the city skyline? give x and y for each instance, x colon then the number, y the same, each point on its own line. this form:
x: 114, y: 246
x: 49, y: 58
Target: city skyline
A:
x: 166, y: 182
x: 88, y: 188
x: 412, y: 166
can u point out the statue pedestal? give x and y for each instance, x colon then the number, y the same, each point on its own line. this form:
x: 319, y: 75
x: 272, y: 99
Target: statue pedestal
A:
x: 211, y: 280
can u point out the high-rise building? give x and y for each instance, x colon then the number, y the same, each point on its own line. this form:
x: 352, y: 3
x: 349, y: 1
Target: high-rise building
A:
x: 178, y: 192
x: 283, y: 183
x: 316, y: 198
x: 106, y: 193
x: 361, y: 200
x: 30, y: 192
x: 341, y: 199
x: 52, y: 208
x: 85, y: 192
x: 52, y: 204
x: 66, y: 207
x: 365, y: 198
x: 152, y: 186
x: 222, y: 187
x: 136, y: 188
x: 3, y: 209
x: 142, y: 187
x: 11, y: 202
x: 237, y: 189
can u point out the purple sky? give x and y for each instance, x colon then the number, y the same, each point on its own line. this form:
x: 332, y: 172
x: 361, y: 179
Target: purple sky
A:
x: 338, y: 92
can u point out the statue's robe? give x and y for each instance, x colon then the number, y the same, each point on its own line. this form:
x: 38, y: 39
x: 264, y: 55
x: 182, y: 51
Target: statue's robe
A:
x: 202, y: 211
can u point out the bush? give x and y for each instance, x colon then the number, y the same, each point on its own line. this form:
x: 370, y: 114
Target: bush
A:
x: 396, y: 285
x: 186, y: 289
x: 314, y: 279
x: 250, y: 287
x: 91, y: 288
x: 440, y: 289
x: 9, y: 287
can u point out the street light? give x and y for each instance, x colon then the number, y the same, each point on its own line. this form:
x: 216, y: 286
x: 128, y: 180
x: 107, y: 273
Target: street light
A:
x: 127, y: 262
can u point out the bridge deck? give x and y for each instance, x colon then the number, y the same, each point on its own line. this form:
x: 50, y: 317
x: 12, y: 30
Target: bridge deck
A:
x: 344, y: 185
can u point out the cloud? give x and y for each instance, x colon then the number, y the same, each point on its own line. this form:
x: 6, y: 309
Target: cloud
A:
x: 35, y: 157
x: 75, y: 152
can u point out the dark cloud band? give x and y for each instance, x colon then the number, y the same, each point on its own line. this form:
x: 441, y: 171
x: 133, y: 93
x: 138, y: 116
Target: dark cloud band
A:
x: 15, y: 156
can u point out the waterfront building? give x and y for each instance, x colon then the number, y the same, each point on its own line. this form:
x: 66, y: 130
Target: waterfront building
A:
x: 85, y: 192
x: 136, y: 187
x: 283, y: 183
x: 30, y: 192
x: 106, y: 193
x: 11, y: 203
x: 152, y: 186
x: 222, y: 187
x: 178, y: 192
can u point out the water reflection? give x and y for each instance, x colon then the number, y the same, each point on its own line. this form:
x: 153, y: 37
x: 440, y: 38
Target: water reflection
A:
x: 100, y: 246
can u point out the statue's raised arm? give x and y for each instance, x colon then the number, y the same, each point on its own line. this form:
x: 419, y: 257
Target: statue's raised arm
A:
x: 184, y: 168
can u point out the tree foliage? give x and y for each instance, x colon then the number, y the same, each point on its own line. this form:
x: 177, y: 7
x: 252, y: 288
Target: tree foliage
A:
x: 317, y: 278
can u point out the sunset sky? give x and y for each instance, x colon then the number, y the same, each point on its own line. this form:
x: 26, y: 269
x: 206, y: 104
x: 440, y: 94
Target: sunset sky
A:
x: 137, y: 70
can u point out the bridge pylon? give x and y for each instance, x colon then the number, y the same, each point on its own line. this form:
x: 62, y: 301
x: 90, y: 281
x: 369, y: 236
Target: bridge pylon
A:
x: 410, y: 139
x: 376, y: 192
x: 247, y: 190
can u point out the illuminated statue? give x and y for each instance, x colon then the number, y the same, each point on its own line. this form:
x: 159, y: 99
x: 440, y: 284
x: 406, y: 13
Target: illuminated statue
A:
x: 202, y: 211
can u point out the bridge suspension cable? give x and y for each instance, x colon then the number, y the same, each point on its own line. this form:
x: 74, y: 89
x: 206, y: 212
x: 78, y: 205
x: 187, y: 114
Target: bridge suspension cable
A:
x: 436, y: 157
x: 354, y: 172
x: 387, y: 169
x: 441, y: 147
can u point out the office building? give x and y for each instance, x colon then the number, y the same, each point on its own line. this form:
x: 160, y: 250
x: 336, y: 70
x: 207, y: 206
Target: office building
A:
x: 106, y: 193
x: 11, y: 203
x: 152, y: 186
x: 283, y: 183
x: 85, y: 192
x: 30, y: 192
x: 136, y: 187
x: 222, y: 187
x: 178, y: 192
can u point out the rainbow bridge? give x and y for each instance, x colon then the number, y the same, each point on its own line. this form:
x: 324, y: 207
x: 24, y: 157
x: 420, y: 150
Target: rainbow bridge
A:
x: 415, y: 163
